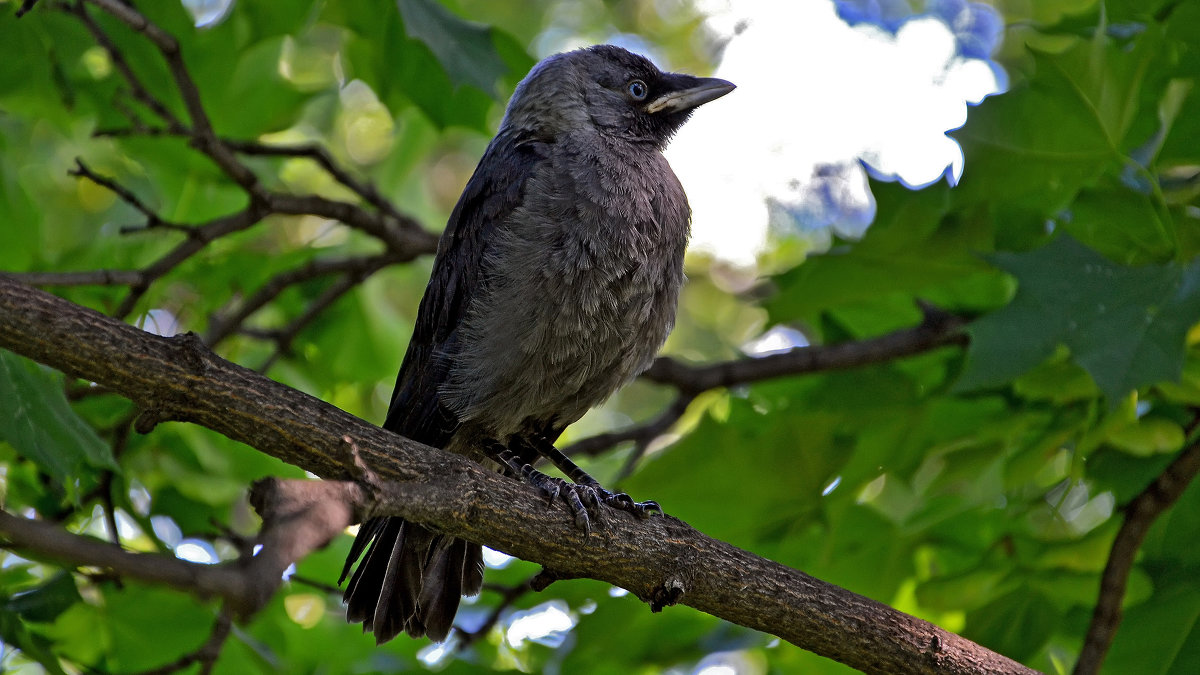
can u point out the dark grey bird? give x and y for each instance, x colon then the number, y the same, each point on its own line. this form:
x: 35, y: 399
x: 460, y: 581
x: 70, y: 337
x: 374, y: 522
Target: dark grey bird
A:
x: 555, y: 283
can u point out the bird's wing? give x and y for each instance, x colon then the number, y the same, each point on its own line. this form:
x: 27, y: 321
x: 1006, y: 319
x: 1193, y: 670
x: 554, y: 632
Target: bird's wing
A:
x: 459, y: 270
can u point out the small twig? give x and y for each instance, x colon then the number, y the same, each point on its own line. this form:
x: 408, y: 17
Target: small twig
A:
x: 642, y: 434
x: 938, y: 329
x: 227, y: 321
x: 203, y: 137
x: 313, y: 583
x: 200, y: 237
x: 298, y: 516
x: 110, y: 509
x: 139, y: 91
x: 287, y: 335
x: 82, y: 170
x: 321, y: 156
x: 405, y: 241
x: 410, y: 241
x: 1140, y: 514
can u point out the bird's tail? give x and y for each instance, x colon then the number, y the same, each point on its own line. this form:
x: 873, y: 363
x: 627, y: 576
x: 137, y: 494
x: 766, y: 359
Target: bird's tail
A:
x: 410, y: 579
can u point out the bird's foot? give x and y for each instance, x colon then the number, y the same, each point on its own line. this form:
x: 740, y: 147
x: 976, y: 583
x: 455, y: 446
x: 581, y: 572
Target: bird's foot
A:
x: 583, y: 494
x: 585, y: 501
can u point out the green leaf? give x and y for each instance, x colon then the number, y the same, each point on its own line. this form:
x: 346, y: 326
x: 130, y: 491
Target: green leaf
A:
x: 256, y: 78
x: 464, y: 48
x: 41, y: 605
x: 1124, y: 325
x: 1016, y: 624
x: 136, y: 617
x: 42, y: 426
x: 44, y: 603
x: 1150, y: 436
x: 1093, y: 93
x: 910, y: 249
x: 1161, y: 635
x: 15, y: 633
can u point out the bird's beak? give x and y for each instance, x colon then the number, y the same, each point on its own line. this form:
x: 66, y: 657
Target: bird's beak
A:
x: 701, y: 91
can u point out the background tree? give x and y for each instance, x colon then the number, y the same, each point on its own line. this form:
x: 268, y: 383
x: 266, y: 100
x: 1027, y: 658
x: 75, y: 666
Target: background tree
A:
x: 997, y: 431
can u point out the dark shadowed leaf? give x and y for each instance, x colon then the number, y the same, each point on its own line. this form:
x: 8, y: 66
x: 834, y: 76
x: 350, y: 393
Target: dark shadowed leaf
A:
x: 464, y: 48
x: 1124, y: 325
x: 41, y: 425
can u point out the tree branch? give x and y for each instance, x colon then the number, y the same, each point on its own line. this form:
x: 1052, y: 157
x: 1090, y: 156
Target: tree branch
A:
x: 227, y: 321
x: 662, y: 560
x: 938, y: 329
x: 321, y: 156
x: 1140, y: 514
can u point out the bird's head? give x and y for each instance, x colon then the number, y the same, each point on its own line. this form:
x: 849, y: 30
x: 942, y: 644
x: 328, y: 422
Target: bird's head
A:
x: 611, y: 90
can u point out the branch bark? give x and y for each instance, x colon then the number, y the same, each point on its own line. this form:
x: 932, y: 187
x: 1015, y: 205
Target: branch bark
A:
x: 662, y: 560
x: 937, y: 329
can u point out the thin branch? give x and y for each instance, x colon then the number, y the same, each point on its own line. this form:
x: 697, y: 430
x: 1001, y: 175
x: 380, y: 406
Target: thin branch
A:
x: 153, y: 220
x: 661, y: 560
x: 88, y: 278
x: 1140, y: 514
x: 298, y: 517
x: 47, y: 540
x: 203, y: 137
x: 407, y: 242
x: 227, y: 320
x: 938, y: 329
x: 641, y: 433
x: 110, y: 509
x: 402, y: 233
x: 321, y: 156
x: 199, y: 237
x: 82, y: 170
x: 139, y: 91
x: 284, y: 338
x: 318, y: 585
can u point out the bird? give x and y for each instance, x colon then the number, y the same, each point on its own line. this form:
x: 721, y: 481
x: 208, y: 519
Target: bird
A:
x: 555, y: 282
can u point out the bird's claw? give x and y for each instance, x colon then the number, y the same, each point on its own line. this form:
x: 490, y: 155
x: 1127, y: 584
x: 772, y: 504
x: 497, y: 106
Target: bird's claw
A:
x: 550, y: 488
x: 585, y: 502
x: 624, y: 502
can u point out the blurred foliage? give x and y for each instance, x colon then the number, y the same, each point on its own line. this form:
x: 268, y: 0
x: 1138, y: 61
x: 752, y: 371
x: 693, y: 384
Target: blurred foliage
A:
x: 977, y: 488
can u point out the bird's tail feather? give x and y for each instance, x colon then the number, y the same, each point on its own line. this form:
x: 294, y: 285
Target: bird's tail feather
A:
x: 410, y: 579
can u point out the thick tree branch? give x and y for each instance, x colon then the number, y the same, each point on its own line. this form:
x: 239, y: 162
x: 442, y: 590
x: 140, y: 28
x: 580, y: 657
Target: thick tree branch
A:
x: 661, y: 560
x: 48, y: 540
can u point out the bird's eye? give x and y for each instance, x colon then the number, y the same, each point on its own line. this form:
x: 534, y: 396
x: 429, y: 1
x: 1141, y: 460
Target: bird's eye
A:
x: 637, y: 89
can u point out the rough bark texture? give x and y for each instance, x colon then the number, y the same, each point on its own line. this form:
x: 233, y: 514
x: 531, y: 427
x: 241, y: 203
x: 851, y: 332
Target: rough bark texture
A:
x: 662, y: 560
